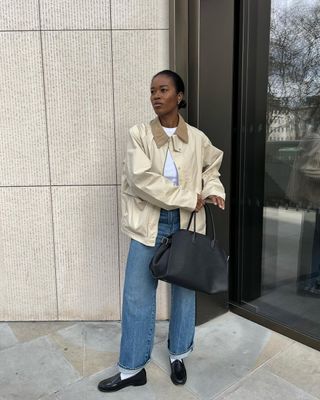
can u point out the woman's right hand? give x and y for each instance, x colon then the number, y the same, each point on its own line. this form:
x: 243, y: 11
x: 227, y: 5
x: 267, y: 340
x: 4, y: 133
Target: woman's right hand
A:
x: 200, y: 203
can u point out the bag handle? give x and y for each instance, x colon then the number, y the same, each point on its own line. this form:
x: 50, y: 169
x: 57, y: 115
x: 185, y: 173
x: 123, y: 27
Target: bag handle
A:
x: 193, y: 215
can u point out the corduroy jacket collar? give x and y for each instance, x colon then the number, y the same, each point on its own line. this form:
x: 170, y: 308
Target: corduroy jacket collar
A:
x: 160, y: 136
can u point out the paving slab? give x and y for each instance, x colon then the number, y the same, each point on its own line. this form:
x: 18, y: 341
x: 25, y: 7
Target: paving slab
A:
x: 89, y: 347
x: 104, y: 336
x: 233, y: 359
x: 226, y: 349
x: 275, y: 344
x: 26, y: 331
x: 161, y: 332
x: 158, y: 387
x: 33, y: 369
x: 263, y: 385
x: 7, y: 337
x: 93, y: 346
x: 299, y: 365
x: 100, y: 336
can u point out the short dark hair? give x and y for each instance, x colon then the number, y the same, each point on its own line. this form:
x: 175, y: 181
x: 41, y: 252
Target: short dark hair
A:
x: 178, y: 83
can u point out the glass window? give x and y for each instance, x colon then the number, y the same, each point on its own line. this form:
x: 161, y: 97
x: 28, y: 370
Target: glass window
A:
x: 291, y: 218
x: 289, y: 279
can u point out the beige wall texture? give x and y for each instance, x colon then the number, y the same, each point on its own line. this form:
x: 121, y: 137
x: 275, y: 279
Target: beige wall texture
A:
x: 75, y: 76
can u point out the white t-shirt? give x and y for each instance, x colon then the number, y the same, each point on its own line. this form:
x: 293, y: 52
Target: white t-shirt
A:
x: 170, y: 169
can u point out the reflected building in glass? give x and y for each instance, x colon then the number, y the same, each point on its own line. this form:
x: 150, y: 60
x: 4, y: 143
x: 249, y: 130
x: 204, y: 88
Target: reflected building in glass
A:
x: 290, y: 284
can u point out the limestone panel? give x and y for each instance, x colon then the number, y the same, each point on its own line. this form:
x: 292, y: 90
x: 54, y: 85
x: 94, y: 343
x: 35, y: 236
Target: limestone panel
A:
x: 70, y: 14
x: 163, y: 291
x: 19, y: 15
x: 77, y: 68
x: 23, y: 147
x: 27, y: 274
x: 137, y: 56
x: 140, y: 14
x: 86, y: 243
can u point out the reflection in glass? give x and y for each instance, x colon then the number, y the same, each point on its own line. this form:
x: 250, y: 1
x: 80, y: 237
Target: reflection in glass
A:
x: 291, y: 233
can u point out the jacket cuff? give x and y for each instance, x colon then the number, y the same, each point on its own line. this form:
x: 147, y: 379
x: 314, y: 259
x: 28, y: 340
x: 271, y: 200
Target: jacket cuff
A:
x: 213, y: 191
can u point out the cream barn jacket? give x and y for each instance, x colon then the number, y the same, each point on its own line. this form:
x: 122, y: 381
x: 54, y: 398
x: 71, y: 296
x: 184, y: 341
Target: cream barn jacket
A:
x: 144, y: 189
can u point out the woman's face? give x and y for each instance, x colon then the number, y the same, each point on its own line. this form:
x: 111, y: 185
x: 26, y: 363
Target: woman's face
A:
x: 164, y: 96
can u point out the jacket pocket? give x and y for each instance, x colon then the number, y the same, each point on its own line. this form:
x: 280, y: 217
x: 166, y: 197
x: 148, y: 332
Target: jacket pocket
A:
x: 135, y: 214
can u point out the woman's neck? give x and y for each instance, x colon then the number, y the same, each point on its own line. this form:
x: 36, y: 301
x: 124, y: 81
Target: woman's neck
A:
x: 169, y: 121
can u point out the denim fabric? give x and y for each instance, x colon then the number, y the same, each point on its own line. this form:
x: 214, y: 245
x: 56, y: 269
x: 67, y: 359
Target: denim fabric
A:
x: 139, y: 305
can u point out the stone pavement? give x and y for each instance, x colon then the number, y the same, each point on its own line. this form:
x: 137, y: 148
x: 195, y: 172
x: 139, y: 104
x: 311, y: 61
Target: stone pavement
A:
x: 233, y: 359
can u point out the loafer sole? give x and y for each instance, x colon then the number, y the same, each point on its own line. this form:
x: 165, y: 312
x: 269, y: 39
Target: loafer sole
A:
x: 119, y: 387
x: 114, y: 383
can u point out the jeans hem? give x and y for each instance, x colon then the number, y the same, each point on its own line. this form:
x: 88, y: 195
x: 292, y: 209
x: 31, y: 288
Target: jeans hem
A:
x: 182, y: 355
x: 132, y: 370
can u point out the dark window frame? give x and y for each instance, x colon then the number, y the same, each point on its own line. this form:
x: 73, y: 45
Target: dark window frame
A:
x: 251, y: 52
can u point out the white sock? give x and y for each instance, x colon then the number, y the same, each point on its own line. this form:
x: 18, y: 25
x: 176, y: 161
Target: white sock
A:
x: 127, y: 375
x: 173, y: 358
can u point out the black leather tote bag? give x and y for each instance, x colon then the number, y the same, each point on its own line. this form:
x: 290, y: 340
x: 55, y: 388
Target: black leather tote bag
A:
x: 192, y: 260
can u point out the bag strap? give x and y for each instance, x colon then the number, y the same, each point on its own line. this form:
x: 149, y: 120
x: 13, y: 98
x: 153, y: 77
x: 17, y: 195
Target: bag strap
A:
x: 190, y: 220
x: 208, y: 208
x: 193, y: 215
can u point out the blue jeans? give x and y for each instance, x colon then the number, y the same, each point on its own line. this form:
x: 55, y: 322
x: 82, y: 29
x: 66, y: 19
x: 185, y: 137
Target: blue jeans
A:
x: 139, y: 305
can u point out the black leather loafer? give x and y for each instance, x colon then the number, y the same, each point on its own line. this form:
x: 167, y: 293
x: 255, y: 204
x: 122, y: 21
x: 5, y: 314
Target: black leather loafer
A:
x: 115, y: 383
x: 178, y: 372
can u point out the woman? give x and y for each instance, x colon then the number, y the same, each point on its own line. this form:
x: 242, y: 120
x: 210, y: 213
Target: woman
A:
x: 170, y: 170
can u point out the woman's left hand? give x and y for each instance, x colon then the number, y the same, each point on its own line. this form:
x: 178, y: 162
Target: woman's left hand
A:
x: 217, y: 201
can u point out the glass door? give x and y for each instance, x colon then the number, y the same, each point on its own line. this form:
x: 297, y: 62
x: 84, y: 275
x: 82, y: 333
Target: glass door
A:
x: 278, y: 151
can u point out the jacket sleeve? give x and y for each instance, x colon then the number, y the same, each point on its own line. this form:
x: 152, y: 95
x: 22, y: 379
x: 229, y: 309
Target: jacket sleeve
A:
x: 212, y: 158
x: 151, y: 186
